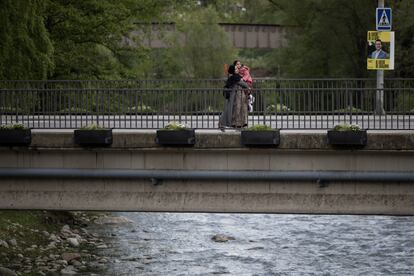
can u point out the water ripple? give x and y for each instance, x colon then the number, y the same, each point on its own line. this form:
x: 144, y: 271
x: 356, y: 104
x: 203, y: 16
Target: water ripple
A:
x: 180, y: 244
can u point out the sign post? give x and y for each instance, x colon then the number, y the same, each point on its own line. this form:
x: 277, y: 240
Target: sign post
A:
x: 379, y: 99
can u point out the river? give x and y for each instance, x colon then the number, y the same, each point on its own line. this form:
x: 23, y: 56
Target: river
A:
x: 265, y: 244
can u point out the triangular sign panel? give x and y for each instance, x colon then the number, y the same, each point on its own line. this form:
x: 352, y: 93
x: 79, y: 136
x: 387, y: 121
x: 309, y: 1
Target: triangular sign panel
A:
x: 383, y: 19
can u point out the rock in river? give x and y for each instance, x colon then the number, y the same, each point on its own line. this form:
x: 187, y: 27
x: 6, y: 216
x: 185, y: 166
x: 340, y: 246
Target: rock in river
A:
x: 222, y: 238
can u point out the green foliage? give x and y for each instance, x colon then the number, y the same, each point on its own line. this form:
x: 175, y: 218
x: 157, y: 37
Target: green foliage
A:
x: 207, y: 46
x: 277, y: 108
x: 88, y: 36
x: 257, y: 60
x: 91, y: 39
x: 260, y: 128
x: 140, y: 109
x: 175, y: 126
x: 93, y: 126
x: 25, y: 47
x: 213, y: 109
x: 349, y: 109
x: 403, y: 25
x: 74, y: 110
x: 227, y: 10
x: 328, y: 38
x: 405, y: 101
x: 347, y: 127
x: 13, y: 126
x: 9, y: 109
x: 86, y: 39
x: 261, y: 12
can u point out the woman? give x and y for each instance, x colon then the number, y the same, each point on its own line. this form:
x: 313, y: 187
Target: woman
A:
x: 235, y: 108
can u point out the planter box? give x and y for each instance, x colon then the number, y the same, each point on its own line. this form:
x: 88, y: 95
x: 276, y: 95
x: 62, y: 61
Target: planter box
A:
x: 91, y: 138
x: 347, y: 138
x: 176, y: 137
x: 268, y: 138
x: 15, y: 137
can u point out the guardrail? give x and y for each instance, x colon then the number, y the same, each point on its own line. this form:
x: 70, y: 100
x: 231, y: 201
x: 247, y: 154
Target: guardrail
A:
x: 286, y: 104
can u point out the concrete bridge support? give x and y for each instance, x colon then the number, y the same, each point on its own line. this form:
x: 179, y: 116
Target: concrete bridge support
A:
x: 302, y: 175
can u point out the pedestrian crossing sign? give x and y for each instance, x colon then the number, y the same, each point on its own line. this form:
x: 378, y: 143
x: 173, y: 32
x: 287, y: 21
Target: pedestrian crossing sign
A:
x: 384, y: 19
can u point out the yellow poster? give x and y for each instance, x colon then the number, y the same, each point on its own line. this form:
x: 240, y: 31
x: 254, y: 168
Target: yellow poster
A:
x: 380, y: 54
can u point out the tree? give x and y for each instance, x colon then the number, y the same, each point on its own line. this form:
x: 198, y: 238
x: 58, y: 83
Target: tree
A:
x: 25, y: 47
x: 404, y: 36
x: 262, y: 12
x: 328, y: 38
x: 89, y: 36
x: 200, y: 46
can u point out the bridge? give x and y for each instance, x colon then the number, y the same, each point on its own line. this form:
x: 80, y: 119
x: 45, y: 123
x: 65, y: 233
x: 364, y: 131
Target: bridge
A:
x: 258, y: 36
x: 304, y: 174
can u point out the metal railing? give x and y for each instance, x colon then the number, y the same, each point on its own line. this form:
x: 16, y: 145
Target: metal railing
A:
x: 201, y: 83
x: 151, y: 104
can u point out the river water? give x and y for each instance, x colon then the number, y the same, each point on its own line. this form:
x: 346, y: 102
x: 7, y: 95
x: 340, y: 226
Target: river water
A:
x: 265, y: 244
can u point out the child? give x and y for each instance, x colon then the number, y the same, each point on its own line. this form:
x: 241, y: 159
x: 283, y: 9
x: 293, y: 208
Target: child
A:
x: 250, y: 101
x: 244, y: 72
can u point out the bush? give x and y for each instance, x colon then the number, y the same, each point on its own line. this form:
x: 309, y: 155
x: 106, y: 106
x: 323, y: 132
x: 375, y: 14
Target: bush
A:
x: 74, y: 110
x: 93, y: 126
x: 349, y: 109
x: 347, y: 127
x: 277, y: 108
x: 140, y: 108
x: 175, y: 126
x: 260, y: 128
x: 13, y: 126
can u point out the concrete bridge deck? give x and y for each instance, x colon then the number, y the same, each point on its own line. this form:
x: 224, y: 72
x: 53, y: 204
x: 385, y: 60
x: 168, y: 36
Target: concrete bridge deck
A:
x: 150, y: 121
x: 319, y: 178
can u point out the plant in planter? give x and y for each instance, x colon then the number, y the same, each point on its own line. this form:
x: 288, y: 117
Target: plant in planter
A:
x: 93, y: 135
x: 260, y: 136
x: 15, y: 135
x: 347, y: 135
x: 176, y: 134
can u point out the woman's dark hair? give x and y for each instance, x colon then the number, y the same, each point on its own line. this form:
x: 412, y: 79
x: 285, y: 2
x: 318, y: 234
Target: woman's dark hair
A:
x: 231, y: 69
x: 234, y: 63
